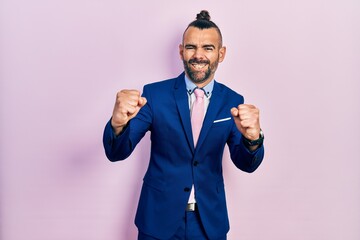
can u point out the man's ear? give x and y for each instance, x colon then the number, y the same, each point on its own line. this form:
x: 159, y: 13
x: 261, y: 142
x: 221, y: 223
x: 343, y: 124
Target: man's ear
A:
x: 222, y: 53
x: 181, y: 51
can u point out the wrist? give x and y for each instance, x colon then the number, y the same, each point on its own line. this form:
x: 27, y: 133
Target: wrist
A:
x: 254, y: 144
x: 118, y: 129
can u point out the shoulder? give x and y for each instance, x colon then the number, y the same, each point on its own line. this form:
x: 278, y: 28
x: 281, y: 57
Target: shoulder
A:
x: 162, y: 89
x: 228, y: 92
x: 167, y: 83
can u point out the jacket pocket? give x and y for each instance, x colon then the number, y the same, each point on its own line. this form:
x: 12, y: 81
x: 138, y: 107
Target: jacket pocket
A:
x: 221, y: 122
x: 154, y: 183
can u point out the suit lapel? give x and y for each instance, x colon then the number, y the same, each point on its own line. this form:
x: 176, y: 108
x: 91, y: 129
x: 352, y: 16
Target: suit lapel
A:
x: 216, y: 102
x: 182, y: 102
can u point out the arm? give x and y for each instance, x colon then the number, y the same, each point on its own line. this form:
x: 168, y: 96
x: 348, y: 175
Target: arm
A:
x: 130, y: 120
x: 242, y: 157
x: 247, y: 125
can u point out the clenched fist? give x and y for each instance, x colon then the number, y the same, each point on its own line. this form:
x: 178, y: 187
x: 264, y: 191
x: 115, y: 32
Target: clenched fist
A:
x: 127, y: 105
x: 247, y: 120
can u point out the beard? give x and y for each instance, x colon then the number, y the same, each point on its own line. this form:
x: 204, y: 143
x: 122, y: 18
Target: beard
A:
x: 199, y: 76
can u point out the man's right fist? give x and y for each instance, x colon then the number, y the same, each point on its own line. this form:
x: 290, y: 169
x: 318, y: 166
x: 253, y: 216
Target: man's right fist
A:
x: 127, y: 105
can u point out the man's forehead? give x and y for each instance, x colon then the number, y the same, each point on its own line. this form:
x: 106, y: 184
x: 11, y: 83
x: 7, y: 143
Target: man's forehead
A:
x: 206, y: 36
x: 193, y: 31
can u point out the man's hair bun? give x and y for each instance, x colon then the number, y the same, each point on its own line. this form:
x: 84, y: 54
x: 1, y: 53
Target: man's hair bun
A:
x: 203, y: 15
x: 203, y: 22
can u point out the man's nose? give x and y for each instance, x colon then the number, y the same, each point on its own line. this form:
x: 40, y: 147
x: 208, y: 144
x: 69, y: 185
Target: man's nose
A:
x: 199, y: 53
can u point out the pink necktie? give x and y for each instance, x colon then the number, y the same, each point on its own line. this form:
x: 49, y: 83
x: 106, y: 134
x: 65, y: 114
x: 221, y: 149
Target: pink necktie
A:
x: 197, y: 117
x: 197, y: 114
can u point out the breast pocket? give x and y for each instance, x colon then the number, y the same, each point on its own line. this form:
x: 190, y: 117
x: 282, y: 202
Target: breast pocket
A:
x: 221, y: 122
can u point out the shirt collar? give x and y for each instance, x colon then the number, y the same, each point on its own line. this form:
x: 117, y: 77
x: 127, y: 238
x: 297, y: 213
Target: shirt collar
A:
x: 190, y: 87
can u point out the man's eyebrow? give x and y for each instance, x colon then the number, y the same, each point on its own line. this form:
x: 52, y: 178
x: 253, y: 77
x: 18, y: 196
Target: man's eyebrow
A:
x: 209, y: 45
x: 203, y: 46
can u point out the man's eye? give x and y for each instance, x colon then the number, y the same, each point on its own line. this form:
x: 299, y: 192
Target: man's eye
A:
x: 189, y: 47
x: 209, y: 49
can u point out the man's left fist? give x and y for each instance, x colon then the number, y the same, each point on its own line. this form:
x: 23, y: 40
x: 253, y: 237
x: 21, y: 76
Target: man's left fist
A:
x: 246, y: 118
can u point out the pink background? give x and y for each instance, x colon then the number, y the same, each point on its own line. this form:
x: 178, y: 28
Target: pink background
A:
x: 62, y: 63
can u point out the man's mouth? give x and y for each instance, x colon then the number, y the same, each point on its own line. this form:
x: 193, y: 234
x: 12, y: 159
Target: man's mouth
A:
x: 198, y: 66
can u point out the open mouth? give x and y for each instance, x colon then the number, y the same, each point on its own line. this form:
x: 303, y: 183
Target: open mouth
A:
x: 198, y: 66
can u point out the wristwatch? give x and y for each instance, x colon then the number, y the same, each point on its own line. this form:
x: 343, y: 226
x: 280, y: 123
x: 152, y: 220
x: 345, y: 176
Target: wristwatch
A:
x: 259, y: 141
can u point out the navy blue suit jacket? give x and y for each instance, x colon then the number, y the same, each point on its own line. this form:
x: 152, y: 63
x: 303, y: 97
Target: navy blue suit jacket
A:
x: 175, y: 165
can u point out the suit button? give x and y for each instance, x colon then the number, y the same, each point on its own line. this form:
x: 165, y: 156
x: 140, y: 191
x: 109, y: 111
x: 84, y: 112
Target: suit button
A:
x: 195, y: 163
x: 186, y: 189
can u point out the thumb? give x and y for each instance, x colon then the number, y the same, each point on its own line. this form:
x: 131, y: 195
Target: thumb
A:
x: 234, y: 112
x: 142, y: 102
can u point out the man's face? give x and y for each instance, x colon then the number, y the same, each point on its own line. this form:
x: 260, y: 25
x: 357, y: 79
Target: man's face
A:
x: 201, y: 53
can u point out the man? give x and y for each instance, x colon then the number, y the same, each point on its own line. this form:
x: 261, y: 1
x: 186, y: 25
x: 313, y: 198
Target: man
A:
x: 190, y: 118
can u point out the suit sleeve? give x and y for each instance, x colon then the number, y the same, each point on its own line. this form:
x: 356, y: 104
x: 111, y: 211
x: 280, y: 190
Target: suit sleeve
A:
x: 120, y: 147
x: 241, y: 156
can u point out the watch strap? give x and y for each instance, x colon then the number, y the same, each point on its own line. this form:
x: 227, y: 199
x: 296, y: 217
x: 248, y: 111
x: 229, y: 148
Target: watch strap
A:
x: 259, y: 141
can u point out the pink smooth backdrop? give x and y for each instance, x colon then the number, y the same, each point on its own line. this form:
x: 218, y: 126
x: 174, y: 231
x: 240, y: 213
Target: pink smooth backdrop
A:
x: 62, y: 62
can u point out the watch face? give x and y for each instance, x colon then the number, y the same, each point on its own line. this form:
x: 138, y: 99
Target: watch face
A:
x: 258, y: 141
x: 254, y: 142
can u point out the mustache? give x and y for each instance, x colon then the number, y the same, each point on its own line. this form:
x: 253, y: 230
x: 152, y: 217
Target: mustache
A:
x: 195, y: 60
